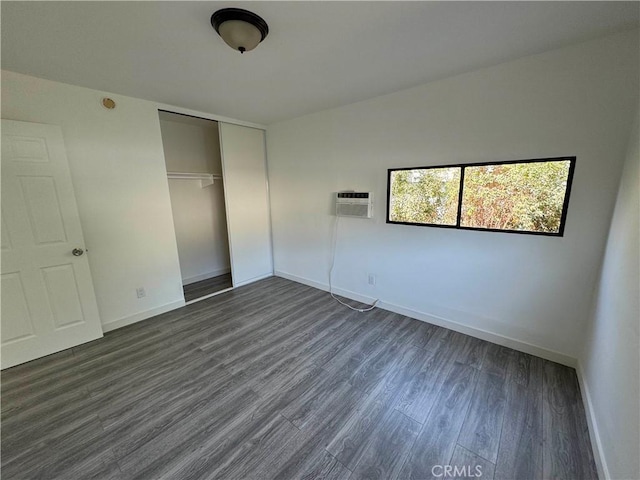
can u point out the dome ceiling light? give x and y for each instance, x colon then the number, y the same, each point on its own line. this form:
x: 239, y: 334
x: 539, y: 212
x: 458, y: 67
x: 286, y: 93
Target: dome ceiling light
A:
x: 240, y: 29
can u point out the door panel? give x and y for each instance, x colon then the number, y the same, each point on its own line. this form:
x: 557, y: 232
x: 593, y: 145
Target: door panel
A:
x: 6, y: 240
x: 48, y: 302
x: 16, y: 318
x: 25, y: 149
x: 62, y: 292
x: 247, y: 202
x: 43, y: 208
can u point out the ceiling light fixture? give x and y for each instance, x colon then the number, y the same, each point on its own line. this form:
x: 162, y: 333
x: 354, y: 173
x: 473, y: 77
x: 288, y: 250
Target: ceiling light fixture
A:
x: 240, y: 29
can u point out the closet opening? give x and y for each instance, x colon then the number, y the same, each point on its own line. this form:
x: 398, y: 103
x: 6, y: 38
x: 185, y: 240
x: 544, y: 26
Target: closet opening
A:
x: 194, y: 171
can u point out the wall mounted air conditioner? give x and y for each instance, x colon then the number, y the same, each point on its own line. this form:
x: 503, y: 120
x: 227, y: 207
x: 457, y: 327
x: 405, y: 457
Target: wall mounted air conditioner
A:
x: 354, y: 204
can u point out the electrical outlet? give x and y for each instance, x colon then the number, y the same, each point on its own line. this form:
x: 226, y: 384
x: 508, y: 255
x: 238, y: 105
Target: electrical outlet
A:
x: 372, y: 279
x: 140, y: 292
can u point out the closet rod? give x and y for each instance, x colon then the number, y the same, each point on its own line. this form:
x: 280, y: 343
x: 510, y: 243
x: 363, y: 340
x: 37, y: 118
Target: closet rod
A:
x: 205, y: 178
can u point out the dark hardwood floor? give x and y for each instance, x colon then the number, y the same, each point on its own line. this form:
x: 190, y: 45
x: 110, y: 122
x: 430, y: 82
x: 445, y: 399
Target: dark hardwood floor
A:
x: 277, y: 380
x: 207, y: 287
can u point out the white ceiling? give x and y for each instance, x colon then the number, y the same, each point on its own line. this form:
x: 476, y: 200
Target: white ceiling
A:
x: 318, y: 55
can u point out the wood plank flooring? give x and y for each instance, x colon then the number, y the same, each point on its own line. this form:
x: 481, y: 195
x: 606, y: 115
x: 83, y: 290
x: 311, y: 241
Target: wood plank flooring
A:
x: 207, y: 287
x: 277, y: 380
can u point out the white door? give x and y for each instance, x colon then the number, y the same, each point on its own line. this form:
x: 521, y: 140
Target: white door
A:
x: 247, y: 202
x: 48, y: 302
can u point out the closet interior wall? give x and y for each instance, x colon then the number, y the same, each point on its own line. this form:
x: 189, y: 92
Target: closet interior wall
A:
x: 192, y: 149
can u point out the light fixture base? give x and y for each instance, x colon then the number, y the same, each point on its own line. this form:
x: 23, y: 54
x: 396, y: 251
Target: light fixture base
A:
x: 239, y: 15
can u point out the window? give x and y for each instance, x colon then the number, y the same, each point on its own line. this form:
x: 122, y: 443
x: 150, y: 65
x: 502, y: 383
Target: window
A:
x: 520, y: 196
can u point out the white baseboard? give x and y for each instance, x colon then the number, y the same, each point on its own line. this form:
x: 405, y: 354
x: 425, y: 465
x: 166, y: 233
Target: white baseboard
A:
x: 484, y: 335
x: 251, y: 280
x: 206, y: 297
x: 206, y: 276
x: 442, y: 322
x: 594, y: 433
x: 323, y: 286
x: 123, y: 322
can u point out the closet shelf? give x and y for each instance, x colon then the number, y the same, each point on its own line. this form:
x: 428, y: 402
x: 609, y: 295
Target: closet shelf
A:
x: 206, y: 179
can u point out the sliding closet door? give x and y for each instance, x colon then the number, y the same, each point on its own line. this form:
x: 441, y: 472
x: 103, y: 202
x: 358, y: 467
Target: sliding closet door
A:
x: 245, y: 185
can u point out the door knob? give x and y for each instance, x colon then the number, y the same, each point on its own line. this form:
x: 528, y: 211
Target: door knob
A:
x: 77, y: 252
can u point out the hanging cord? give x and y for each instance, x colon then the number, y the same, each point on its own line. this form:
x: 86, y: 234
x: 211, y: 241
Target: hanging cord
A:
x: 333, y: 261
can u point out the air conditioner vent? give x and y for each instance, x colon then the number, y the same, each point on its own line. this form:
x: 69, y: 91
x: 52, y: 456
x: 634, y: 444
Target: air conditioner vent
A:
x: 354, y: 204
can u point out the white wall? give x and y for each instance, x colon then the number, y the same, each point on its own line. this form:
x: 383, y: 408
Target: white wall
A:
x: 573, y: 101
x: 610, y: 360
x: 118, y: 172
x: 190, y: 144
x: 198, y: 213
x: 201, y: 229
